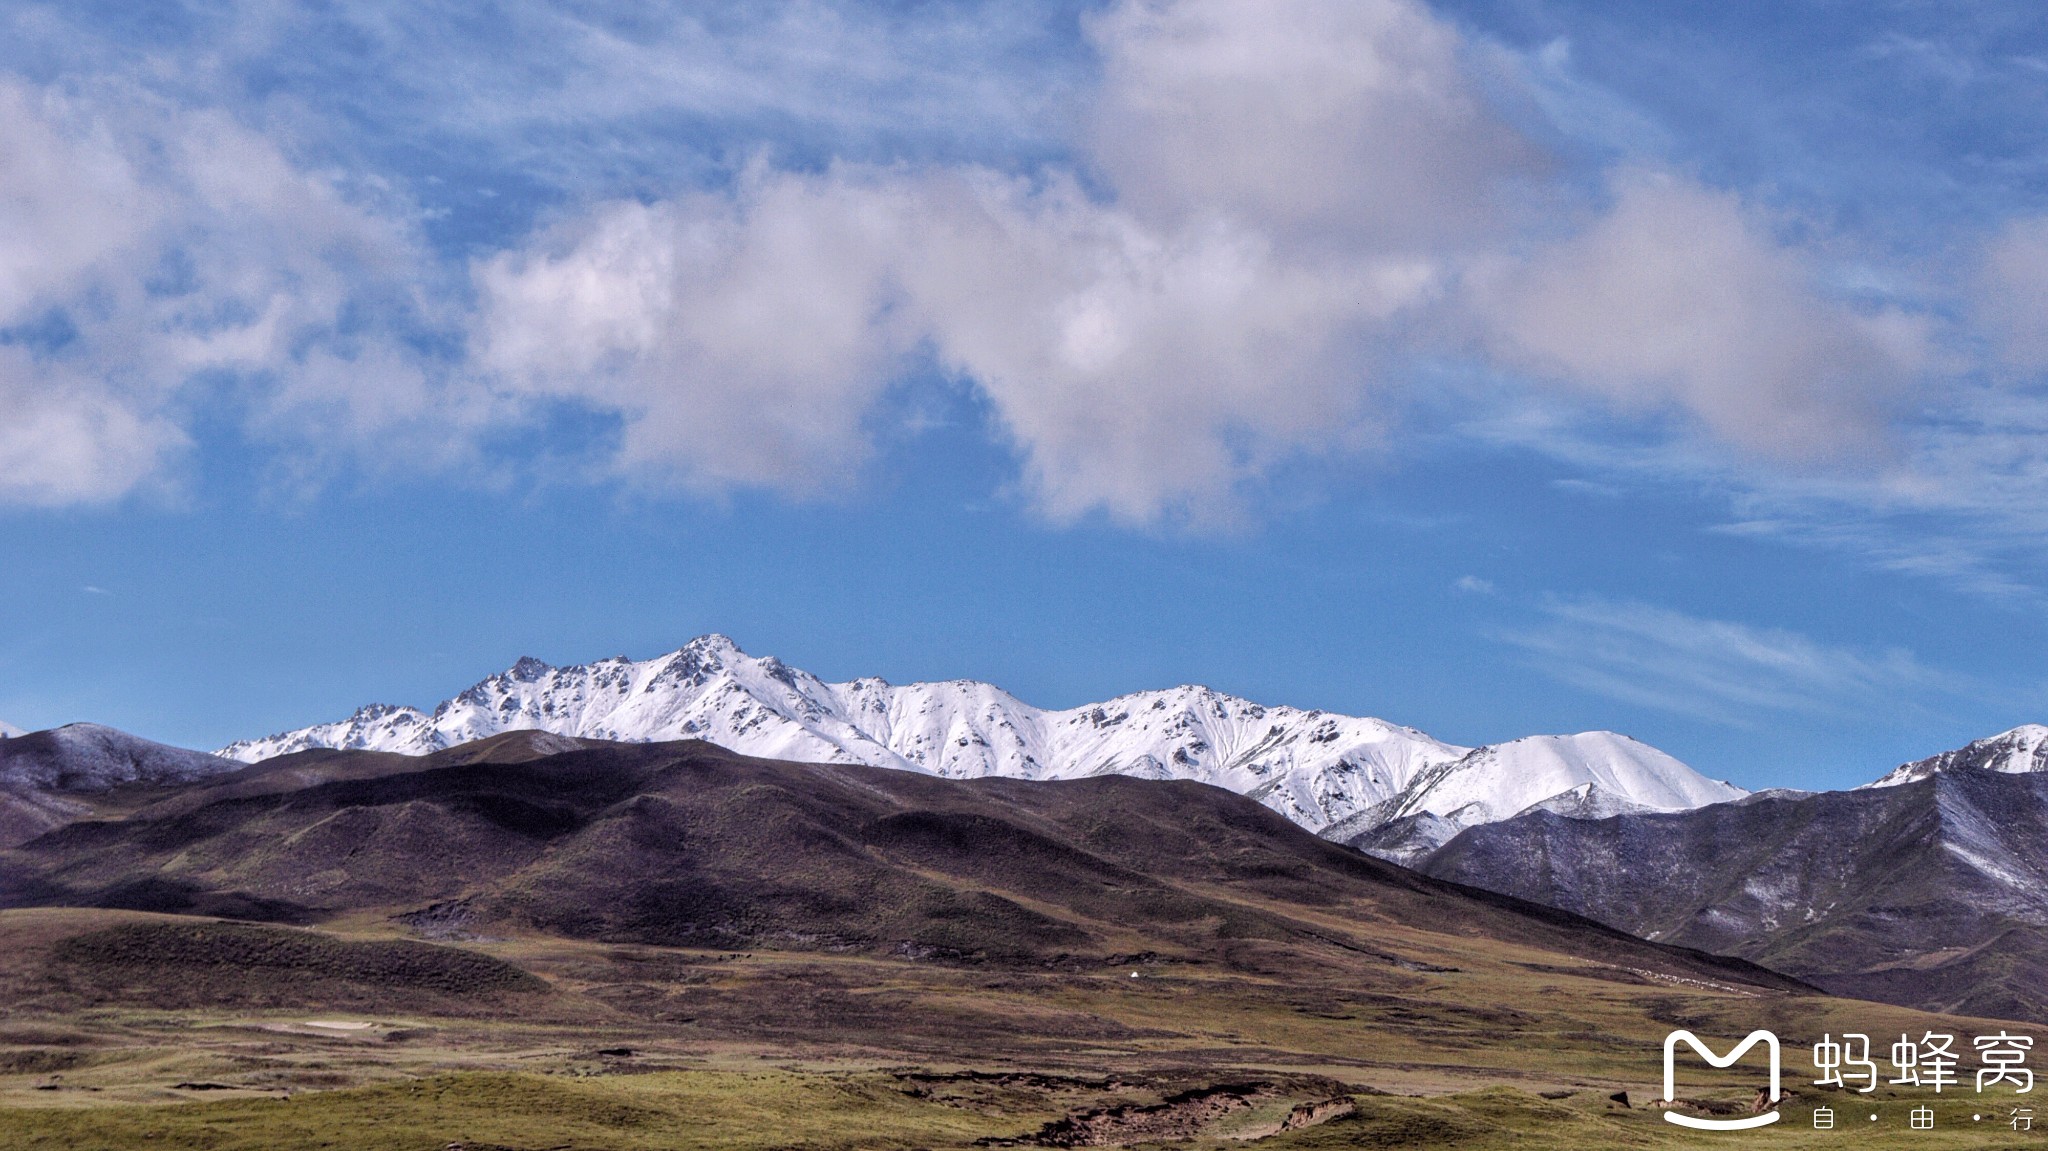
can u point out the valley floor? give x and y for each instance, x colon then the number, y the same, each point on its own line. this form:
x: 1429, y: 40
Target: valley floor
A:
x: 1481, y: 1045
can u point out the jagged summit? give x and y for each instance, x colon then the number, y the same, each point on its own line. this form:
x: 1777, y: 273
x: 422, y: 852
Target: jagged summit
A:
x: 2022, y: 750
x: 1317, y: 768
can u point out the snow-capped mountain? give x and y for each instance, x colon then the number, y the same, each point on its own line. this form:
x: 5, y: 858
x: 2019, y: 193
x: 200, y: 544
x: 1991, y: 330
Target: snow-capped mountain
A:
x: 2023, y: 749
x: 1592, y: 775
x: 47, y: 777
x: 1603, y: 772
x: 1316, y: 768
x: 90, y: 757
x: 1930, y: 892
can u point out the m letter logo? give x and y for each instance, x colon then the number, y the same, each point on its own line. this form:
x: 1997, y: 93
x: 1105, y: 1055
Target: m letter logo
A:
x: 1671, y: 1042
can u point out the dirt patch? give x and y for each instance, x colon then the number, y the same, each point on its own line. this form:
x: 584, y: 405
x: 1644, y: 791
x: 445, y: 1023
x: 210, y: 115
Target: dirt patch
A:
x: 1181, y: 1116
x: 1030, y: 1079
x: 1318, y: 1112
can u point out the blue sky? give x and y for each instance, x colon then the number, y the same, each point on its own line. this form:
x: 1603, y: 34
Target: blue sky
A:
x: 1495, y: 367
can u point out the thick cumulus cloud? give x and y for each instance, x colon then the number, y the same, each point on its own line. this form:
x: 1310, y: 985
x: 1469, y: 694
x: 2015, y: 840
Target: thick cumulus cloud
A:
x: 1353, y: 124
x: 1677, y: 297
x: 1145, y: 348
x: 743, y: 337
x: 1143, y: 370
x: 746, y: 339
x: 1270, y: 199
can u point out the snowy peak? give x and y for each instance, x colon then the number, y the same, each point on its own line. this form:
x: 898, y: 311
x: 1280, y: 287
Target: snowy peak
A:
x: 373, y: 727
x: 2023, y: 749
x: 1498, y: 781
x: 1317, y: 768
x: 1592, y: 775
x: 9, y: 731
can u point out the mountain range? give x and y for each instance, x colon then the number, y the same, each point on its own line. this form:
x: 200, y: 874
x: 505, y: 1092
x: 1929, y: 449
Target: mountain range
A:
x: 687, y: 844
x: 1322, y: 770
x: 1921, y: 888
x: 1927, y: 888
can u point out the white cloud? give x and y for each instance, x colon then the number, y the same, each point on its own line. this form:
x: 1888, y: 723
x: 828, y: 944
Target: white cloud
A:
x: 1289, y: 194
x: 2013, y: 291
x: 1679, y: 297
x: 66, y: 439
x: 1322, y: 123
x: 73, y: 200
x: 1715, y: 670
x: 1144, y: 371
x: 746, y: 338
x: 73, y: 204
x: 743, y: 338
x: 1145, y: 351
x: 147, y: 247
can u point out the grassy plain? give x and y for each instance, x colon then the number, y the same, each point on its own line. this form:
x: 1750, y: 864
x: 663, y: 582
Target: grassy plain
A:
x: 630, y: 1047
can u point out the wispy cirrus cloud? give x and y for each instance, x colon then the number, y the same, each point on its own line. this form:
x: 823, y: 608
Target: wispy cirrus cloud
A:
x: 1719, y: 671
x: 162, y: 262
x: 1959, y: 498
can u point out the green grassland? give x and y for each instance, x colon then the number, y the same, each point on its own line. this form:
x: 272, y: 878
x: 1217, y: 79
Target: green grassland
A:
x: 788, y: 1107
x: 124, y: 1030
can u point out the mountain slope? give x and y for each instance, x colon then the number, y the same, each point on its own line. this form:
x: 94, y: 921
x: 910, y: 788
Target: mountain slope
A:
x: 688, y: 844
x: 1930, y: 893
x: 89, y: 757
x: 9, y: 731
x: 1316, y: 768
x: 51, y: 778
